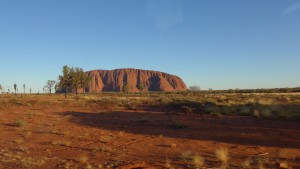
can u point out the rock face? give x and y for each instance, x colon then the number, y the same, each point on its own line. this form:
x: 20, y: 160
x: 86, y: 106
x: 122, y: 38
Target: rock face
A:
x: 134, y: 79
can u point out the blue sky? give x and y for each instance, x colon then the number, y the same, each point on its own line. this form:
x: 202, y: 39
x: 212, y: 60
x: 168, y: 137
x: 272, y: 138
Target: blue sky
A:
x: 211, y: 43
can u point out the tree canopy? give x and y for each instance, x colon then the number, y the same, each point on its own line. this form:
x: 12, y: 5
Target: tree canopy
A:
x: 73, y: 77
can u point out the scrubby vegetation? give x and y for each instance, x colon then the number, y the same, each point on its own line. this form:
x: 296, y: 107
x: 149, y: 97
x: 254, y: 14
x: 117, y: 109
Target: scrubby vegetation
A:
x: 268, y: 105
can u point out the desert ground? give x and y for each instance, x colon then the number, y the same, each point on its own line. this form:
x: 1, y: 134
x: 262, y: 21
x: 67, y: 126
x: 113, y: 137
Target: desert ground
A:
x: 150, y: 130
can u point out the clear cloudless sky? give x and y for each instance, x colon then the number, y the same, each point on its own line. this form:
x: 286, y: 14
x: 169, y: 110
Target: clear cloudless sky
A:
x: 211, y: 43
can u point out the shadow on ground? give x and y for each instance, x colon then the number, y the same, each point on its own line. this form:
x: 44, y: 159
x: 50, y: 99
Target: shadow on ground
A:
x: 228, y: 129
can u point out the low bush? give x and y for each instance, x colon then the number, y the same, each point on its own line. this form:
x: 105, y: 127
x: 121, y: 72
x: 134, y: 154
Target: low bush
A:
x: 20, y: 123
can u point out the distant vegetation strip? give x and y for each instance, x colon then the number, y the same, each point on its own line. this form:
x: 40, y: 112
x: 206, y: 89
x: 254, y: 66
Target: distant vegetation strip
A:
x: 271, y: 90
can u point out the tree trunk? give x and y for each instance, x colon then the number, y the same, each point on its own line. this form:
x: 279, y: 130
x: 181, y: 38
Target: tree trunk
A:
x: 76, y: 90
x: 65, y: 92
x: 83, y: 89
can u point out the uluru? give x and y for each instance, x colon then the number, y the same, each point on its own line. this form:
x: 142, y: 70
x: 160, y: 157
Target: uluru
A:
x: 135, y: 80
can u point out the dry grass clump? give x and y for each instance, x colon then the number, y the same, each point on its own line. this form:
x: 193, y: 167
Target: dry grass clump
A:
x: 121, y: 133
x: 106, y: 138
x: 102, y: 150
x: 83, y: 159
x: 262, y: 113
x: 168, y: 163
x: 61, y: 143
x: 19, y: 141
x: 247, y: 163
x: 187, y: 109
x: 289, y: 154
x: 198, y: 161
x: 266, y: 101
x: 222, y: 155
x: 68, y: 164
x: 32, y: 102
x: 284, y: 165
x: 27, y: 134
x: 106, y: 103
x: 65, y: 133
x: 187, y: 155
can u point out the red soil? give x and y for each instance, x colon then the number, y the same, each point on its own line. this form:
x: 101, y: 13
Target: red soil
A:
x: 65, y: 134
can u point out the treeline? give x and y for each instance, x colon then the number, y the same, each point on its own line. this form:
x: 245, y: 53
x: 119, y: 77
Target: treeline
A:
x: 273, y: 90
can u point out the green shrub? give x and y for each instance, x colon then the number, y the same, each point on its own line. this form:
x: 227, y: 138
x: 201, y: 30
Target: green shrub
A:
x: 20, y: 123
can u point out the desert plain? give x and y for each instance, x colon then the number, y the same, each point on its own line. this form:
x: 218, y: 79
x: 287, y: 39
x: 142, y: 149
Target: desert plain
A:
x: 150, y: 130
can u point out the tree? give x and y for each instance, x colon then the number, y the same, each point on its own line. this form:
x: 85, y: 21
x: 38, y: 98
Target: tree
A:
x: 30, y: 90
x: 24, y: 88
x: 84, y: 80
x: 194, y: 88
x: 15, y: 87
x: 79, y: 79
x: 75, y: 78
x: 65, y: 79
x: 1, y: 88
x: 50, y: 84
x: 56, y: 87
